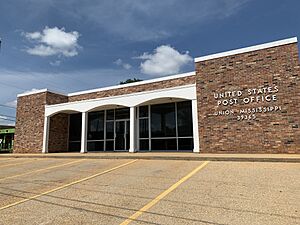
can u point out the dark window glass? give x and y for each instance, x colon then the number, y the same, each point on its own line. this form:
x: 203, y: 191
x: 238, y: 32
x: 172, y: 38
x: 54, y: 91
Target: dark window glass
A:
x: 144, y: 128
x: 110, y: 130
x: 127, y: 133
x: 95, y: 146
x: 96, y: 126
x: 164, y: 144
x: 75, y: 127
x: 184, y: 119
x: 109, y: 145
x: 74, y: 146
x: 185, y: 144
x: 163, y: 120
x: 143, y: 111
x: 144, y: 144
x: 120, y: 138
x: 122, y: 113
x: 110, y: 114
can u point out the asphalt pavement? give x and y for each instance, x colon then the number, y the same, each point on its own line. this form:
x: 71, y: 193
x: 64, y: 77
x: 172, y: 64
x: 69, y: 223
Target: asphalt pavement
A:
x: 135, y: 191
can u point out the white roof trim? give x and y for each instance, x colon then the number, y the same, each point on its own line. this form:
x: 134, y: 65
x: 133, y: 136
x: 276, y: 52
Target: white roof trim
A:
x: 121, y: 96
x: 39, y: 91
x: 135, y: 83
x: 247, y: 49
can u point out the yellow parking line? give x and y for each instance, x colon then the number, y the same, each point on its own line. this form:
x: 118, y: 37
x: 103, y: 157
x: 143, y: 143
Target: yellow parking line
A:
x: 39, y: 170
x: 20, y: 163
x: 67, y: 185
x: 162, y: 195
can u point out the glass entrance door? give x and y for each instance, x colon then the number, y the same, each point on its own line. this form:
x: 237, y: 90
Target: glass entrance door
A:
x: 122, y: 135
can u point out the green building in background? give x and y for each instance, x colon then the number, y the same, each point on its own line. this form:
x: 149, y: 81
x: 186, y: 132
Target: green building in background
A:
x: 6, y: 138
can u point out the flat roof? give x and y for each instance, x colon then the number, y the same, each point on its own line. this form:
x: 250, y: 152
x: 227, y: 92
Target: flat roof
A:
x: 247, y: 49
x: 37, y: 91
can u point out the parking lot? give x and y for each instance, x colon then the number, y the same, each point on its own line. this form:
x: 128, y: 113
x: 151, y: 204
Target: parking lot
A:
x: 126, y: 191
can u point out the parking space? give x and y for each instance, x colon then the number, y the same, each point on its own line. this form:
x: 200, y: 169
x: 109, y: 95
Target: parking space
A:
x: 126, y: 191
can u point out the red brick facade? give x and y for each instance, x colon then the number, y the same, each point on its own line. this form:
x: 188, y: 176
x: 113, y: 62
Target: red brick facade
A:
x: 271, y: 132
x: 30, y: 121
x: 247, y: 103
x: 59, y: 133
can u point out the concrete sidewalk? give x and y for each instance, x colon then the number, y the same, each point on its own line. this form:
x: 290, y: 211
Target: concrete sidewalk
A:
x: 292, y: 158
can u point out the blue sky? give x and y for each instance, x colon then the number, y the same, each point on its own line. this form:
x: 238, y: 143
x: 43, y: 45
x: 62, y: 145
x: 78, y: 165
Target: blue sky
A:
x: 74, y: 45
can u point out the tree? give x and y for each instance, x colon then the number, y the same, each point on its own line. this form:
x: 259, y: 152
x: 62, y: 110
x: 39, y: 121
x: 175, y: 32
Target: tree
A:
x: 130, y: 81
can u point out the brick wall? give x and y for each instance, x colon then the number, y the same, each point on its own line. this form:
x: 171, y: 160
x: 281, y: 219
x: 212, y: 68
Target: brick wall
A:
x: 59, y: 133
x: 134, y: 89
x: 30, y: 121
x: 275, y: 70
x: 271, y: 132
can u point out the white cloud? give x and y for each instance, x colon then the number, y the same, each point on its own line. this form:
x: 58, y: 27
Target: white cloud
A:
x: 120, y: 62
x: 55, y: 63
x: 154, y: 20
x: 53, y: 41
x: 33, y: 35
x: 165, y: 60
x: 12, y: 103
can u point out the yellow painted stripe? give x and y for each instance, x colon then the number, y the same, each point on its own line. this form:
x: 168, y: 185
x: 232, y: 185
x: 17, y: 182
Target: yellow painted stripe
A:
x: 40, y: 170
x: 20, y: 163
x: 67, y: 185
x: 162, y: 195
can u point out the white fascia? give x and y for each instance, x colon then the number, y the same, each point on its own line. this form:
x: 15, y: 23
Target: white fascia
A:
x: 39, y: 91
x: 129, y: 100
x: 135, y: 83
x: 247, y: 49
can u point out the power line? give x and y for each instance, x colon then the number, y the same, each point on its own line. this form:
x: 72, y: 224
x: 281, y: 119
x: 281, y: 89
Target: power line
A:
x: 6, y: 84
x: 7, y: 119
x: 7, y: 116
x: 1, y: 105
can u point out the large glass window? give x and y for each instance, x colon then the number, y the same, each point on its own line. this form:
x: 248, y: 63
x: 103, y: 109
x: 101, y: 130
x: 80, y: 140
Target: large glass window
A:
x: 144, y: 128
x: 122, y: 114
x: 110, y: 130
x: 103, y: 132
x: 163, y: 120
x: 164, y: 144
x: 95, y: 146
x: 171, y: 127
x: 96, y: 125
x: 143, y: 111
x: 110, y: 114
x: 184, y: 119
x: 144, y: 144
x: 185, y: 144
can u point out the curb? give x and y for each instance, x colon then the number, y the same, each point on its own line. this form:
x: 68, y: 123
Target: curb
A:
x: 217, y: 159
